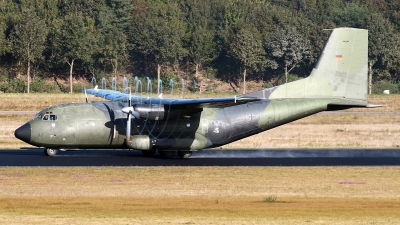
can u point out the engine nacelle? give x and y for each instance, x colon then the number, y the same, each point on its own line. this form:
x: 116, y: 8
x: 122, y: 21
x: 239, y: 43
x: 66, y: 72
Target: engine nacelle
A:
x: 139, y: 142
x: 150, y: 111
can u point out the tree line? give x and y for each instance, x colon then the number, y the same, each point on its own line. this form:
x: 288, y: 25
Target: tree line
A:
x: 270, y: 40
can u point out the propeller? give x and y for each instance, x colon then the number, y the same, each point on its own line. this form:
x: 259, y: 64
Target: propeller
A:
x: 131, y: 112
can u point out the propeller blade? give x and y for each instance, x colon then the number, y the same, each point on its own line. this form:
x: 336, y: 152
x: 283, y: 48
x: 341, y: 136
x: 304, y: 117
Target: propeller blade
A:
x: 130, y: 97
x: 128, y: 128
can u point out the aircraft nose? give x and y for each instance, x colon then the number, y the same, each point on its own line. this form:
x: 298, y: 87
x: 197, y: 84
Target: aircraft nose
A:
x: 23, y: 133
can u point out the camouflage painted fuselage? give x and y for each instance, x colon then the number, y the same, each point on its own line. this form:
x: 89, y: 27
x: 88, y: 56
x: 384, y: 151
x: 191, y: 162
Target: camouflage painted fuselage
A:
x: 103, y: 125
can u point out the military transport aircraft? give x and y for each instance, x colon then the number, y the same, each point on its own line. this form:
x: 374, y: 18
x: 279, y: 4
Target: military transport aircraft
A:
x: 180, y: 126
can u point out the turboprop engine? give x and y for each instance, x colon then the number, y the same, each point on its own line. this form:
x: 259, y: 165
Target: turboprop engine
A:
x: 146, y: 111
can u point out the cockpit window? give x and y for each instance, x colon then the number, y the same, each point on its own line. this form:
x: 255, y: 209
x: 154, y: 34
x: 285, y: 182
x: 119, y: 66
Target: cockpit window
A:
x: 50, y: 117
x: 39, y: 116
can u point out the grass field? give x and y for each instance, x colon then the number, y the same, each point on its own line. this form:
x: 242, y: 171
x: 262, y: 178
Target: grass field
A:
x: 200, y: 195
x: 213, y: 195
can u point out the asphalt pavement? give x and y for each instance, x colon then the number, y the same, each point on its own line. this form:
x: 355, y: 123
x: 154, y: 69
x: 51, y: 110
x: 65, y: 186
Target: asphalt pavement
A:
x: 35, y: 157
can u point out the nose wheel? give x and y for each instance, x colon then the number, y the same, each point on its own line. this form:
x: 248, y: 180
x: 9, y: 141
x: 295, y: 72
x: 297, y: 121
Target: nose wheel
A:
x: 50, y: 151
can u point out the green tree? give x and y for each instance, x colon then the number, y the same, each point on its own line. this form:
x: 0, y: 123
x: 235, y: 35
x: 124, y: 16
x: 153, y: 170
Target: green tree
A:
x: 3, y: 41
x: 287, y: 47
x: 113, y: 44
x: 122, y: 13
x: 27, y: 40
x: 352, y: 15
x: 113, y: 48
x: 202, y: 49
x: 246, y: 47
x: 383, y: 44
x: 201, y: 34
x: 74, y: 40
x: 157, y: 32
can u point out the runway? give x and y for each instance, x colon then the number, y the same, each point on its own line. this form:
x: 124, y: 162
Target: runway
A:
x: 255, y: 157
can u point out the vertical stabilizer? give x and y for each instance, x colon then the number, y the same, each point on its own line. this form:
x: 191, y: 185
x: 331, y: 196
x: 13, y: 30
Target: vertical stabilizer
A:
x: 340, y: 73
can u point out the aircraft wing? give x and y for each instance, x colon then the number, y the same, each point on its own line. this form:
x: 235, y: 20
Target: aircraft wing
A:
x: 172, y: 102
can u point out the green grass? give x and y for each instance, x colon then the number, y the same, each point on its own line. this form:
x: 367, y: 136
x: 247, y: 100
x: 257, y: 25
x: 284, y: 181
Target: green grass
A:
x: 271, y: 198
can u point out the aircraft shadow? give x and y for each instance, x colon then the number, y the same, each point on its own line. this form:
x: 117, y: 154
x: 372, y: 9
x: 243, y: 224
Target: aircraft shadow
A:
x: 270, y: 157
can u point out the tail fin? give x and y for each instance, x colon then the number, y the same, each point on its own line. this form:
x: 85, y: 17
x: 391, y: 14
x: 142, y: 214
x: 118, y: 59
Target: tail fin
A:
x: 342, y: 68
x: 340, y: 74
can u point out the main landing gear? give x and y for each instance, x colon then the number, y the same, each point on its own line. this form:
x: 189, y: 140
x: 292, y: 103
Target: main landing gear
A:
x: 50, y: 151
x: 171, y: 154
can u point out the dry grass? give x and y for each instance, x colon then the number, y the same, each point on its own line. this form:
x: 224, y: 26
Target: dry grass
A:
x: 377, y: 182
x: 205, y: 195
x: 186, y: 210
x: 35, y: 101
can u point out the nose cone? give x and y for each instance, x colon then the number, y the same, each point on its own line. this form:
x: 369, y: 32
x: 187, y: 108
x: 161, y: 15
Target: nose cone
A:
x: 23, y: 133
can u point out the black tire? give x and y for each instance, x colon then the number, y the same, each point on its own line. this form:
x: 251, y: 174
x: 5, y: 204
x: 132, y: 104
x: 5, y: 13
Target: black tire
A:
x: 167, y: 154
x: 184, y: 154
x: 50, y: 152
x: 149, y: 153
